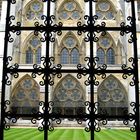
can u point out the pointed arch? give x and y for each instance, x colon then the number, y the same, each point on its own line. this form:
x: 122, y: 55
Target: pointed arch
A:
x: 33, y: 10
x: 105, y: 10
x: 106, y: 50
x: 69, y: 10
x: 25, y: 96
x: 74, y: 56
x: 64, y: 56
x: 68, y: 96
x: 32, y: 49
x: 112, y: 97
x: 110, y: 56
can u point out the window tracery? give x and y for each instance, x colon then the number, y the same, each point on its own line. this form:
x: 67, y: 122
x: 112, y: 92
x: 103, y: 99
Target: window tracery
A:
x: 105, y: 10
x: 106, y: 50
x: 33, y: 50
x: 70, y: 11
x: 69, y: 53
x: 68, y: 96
x: 34, y: 10
x: 25, y: 96
x: 112, y: 96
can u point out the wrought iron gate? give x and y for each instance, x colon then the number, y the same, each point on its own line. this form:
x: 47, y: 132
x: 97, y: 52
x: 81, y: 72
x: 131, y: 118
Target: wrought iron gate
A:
x: 48, y: 70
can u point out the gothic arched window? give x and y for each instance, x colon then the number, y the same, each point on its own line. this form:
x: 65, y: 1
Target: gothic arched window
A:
x: 74, y: 56
x: 112, y: 97
x: 68, y: 97
x: 34, y: 10
x: 25, y: 96
x: 110, y: 56
x: 69, y: 11
x: 33, y: 50
x: 105, y: 10
x: 70, y: 52
x: 106, y: 50
x: 64, y: 56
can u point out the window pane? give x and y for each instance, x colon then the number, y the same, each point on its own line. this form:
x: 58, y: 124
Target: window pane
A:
x: 29, y: 56
x: 101, y: 56
x: 64, y: 56
x: 110, y: 57
x: 38, y: 56
x: 74, y: 56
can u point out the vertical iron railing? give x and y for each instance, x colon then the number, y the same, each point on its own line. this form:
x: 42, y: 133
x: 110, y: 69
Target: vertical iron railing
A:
x: 92, y: 69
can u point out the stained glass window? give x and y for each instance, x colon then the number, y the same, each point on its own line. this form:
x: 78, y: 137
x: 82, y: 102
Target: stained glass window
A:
x: 34, y: 10
x: 105, y: 50
x: 70, y: 51
x: 68, y: 96
x: 64, y: 56
x: 112, y: 97
x: 74, y: 56
x: 110, y: 56
x: 33, y: 52
x: 69, y: 10
x: 101, y: 56
x: 25, y: 97
x: 38, y: 56
x: 29, y: 56
x: 105, y: 10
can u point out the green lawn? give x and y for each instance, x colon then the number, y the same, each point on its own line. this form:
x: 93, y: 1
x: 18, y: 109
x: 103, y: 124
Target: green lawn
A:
x: 68, y: 134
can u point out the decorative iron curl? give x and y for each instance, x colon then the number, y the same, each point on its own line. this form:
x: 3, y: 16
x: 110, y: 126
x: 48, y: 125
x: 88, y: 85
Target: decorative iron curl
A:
x: 51, y: 70
x: 11, y: 69
x: 131, y: 118
x: 130, y: 73
x: 9, y: 117
x: 40, y: 116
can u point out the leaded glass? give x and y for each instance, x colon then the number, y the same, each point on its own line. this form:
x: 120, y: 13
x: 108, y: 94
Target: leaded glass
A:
x: 38, y: 56
x: 35, y: 42
x: 104, y: 6
x: 110, y: 15
x: 64, y: 56
x: 117, y: 95
x: 34, y: 10
x: 70, y: 42
x: 110, y: 56
x: 68, y: 83
x: 111, y: 84
x: 105, y: 10
x: 70, y: 6
x: 62, y: 94
x: 30, y: 15
x: 74, y: 56
x: 33, y: 94
x: 104, y: 95
x: 20, y: 94
x: 75, y: 95
x: 29, y: 56
x: 36, y: 6
x: 99, y: 14
x: 64, y: 15
x: 75, y: 15
x: 101, y: 56
x: 27, y: 83
x: 105, y: 42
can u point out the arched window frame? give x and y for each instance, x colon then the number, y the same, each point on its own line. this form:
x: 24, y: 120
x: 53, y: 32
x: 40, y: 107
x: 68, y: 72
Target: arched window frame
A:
x: 70, y: 43
x: 29, y: 10
x: 112, y: 97
x: 65, y: 13
x: 25, y: 96
x: 64, y: 98
x: 103, y: 12
x: 35, y: 49
x: 106, y: 43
